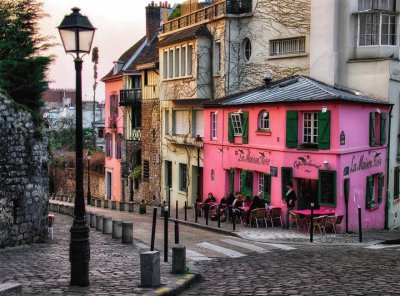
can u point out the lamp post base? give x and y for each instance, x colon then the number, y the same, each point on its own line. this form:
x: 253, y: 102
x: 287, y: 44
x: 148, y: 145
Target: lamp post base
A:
x: 79, y: 253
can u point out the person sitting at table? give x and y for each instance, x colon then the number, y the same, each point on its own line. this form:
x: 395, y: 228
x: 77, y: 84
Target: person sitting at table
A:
x: 237, y: 205
x: 223, y: 205
x: 257, y: 203
x: 230, y: 198
x: 206, y: 204
x: 290, y: 202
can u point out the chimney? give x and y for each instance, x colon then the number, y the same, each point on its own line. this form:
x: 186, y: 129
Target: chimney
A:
x: 153, y: 20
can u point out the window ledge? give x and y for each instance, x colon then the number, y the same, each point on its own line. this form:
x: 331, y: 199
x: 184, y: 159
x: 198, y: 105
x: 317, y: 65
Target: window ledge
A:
x: 289, y: 55
x: 177, y: 78
x: 263, y: 132
x: 374, y: 206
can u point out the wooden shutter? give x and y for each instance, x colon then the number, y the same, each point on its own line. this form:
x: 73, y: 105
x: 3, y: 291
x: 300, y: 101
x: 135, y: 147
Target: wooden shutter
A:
x: 324, y: 130
x: 372, y: 135
x: 291, y: 129
x: 370, y: 191
x: 287, y: 175
x: 232, y: 180
x: 380, y: 187
x: 327, y: 188
x: 242, y: 180
x: 267, y: 188
x: 199, y: 123
x: 383, y: 128
x: 230, y: 128
x: 247, y: 183
x: 245, y: 127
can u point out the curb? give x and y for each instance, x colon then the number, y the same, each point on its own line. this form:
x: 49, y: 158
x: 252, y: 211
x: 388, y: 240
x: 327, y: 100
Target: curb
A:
x: 182, y: 283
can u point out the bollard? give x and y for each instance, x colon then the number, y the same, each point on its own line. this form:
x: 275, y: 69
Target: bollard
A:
x: 195, y: 212
x: 359, y: 224
x: 122, y: 206
x: 234, y: 219
x: 116, y: 229
x: 113, y: 205
x: 176, y: 210
x: 178, y: 259
x: 150, y: 269
x: 142, y: 208
x: 92, y: 202
x: 185, y: 210
x: 87, y: 214
x: 166, y: 233
x: 153, y: 228
x: 106, y: 203
x: 311, y: 223
x: 107, y: 225
x: 207, y: 209
x: 93, y: 220
x: 98, y: 203
x: 127, y: 232
x: 131, y: 207
x: 176, y: 232
x: 99, y: 223
x: 219, y: 215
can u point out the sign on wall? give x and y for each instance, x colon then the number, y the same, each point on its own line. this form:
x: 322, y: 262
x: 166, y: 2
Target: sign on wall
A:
x: 248, y: 157
x: 273, y: 171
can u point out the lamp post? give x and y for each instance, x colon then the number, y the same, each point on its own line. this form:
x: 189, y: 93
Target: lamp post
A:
x: 77, y: 33
x: 199, y: 144
x: 89, y: 195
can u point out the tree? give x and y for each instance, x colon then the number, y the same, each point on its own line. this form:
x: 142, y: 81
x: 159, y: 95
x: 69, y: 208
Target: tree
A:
x: 22, y: 68
x: 95, y: 61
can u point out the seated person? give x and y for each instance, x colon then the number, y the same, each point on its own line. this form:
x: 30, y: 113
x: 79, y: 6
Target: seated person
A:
x: 257, y: 203
x: 238, y: 204
x: 230, y: 198
x: 206, y: 204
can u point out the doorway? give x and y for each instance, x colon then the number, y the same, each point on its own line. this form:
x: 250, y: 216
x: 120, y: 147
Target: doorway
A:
x: 109, y: 193
x: 307, y: 192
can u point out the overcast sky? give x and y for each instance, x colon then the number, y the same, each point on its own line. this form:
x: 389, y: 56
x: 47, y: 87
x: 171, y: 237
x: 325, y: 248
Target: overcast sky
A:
x: 119, y: 23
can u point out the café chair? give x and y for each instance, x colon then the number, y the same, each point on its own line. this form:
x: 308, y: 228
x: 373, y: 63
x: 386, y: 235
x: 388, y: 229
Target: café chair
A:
x: 257, y: 215
x: 275, y: 214
x: 213, y: 210
x: 333, y: 221
x: 320, y: 224
x: 296, y: 220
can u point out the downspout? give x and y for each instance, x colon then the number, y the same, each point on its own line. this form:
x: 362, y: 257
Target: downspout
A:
x: 229, y: 55
x: 387, y: 204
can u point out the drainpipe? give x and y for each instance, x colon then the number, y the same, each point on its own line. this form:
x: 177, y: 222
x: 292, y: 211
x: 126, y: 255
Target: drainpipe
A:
x: 229, y: 55
x: 387, y: 204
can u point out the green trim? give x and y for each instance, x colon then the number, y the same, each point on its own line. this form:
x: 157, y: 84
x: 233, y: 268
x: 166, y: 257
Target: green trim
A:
x: 245, y: 127
x: 369, y: 191
x: 380, y: 187
x: 231, y: 138
x: 383, y: 128
x: 286, y: 175
x: 266, y: 194
x: 320, y: 173
x: 372, y: 136
x: 247, y: 178
x: 232, y: 180
x: 324, y: 130
x: 292, y: 121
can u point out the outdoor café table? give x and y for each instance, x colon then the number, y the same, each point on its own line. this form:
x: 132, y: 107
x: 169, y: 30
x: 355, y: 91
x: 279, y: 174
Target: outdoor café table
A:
x: 317, y: 212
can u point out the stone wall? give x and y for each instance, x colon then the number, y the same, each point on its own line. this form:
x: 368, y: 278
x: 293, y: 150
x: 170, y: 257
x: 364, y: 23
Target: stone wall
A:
x: 23, y: 177
x: 64, y: 182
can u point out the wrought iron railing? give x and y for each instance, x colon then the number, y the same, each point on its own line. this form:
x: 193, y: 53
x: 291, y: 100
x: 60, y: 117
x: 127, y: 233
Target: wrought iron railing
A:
x: 130, y: 97
x: 134, y: 134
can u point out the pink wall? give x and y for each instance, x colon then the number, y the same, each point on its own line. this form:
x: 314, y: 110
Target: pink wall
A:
x: 269, y: 149
x: 111, y: 163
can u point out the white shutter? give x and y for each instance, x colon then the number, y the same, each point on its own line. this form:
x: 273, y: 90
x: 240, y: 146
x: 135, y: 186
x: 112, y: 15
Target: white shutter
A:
x: 199, y: 123
x: 181, y: 122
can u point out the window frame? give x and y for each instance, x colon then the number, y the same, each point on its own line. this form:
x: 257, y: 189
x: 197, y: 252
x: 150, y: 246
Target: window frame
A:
x: 183, y: 177
x: 185, y: 129
x: 379, y: 27
x: 378, y: 183
x: 217, y: 57
x: 364, y: 5
x: 263, y: 123
x: 214, y: 125
x: 237, y: 124
x: 313, y: 129
x: 278, y: 48
x: 396, y: 183
x: 247, y: 50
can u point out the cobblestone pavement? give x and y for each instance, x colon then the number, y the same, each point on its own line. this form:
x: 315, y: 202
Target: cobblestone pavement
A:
x: 315, y: 270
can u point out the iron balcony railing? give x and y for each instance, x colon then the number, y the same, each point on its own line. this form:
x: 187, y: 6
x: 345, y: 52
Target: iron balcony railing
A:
x: 130, y: 97
x: 208, y: 13
x: 134, y: 134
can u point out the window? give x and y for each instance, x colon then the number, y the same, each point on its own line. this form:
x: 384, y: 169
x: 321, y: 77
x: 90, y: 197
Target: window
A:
x: 108, y: 145
x: 146, y: 77
x: 198, y: 120
x: 146, y: 169
x: 287, y: 46
x: 287, y: 176
x: 396, y: 183
x: 217, y: 57
x: 237, y: 124
x: 177, y: 62
x: 374, y: 190
x: 213, y: 125
x: 181, y: 122
x: 246, y: 183
x: 136, y: 116
x: 114, y: 105
x: 212, y: 176
x: 388, y: 5
x: 264, y: 186
x: 315, y: 129
x: 100, y: 132
x: 377, y: 29
x: 166, y: 122
x: 327, y: 188
x: 118, y: 146
x: 310, y: 128
x: 377, y: 129
x: 182, y: 177
x: 263, y: 120
x: 246, y: 49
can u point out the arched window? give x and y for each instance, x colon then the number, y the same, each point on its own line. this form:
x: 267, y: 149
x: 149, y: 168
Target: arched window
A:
x: 263, y: 120
x: 212, y: 176
x: 246, y: 49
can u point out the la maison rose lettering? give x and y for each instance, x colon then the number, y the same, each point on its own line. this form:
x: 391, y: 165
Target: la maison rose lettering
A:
x: 365, y: 162
x: 261, y: 160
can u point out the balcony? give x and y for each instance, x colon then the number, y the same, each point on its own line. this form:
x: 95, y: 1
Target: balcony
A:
x: 130, y: 97
x: 208, y: 13
x: 134, y: 134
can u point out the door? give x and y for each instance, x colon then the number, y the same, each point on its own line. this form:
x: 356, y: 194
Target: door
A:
x: 307, y: 192
x: 109, y: 183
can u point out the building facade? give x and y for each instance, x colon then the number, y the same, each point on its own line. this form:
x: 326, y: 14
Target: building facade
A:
x: 355, y: 44
x: 303, y: 131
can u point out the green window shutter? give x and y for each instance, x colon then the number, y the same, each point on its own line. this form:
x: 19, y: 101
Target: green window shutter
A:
x: 286, y: 176
x: 230, y: 129
x: 370, y: 191
x: 232, y: 180
x: 291, y: 129
x: 324, y: 130
x: 327, y: 188
x: 372, y: 129
x: 267, y: 188
x: 242, y: 180
x: 396, y: 183
x: 383, y: 128
x: 245, y: 127
x: 380, y: 187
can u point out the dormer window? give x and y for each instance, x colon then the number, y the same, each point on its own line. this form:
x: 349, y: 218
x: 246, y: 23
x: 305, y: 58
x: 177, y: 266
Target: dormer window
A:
x: 117, y: 67
x: 263, y: 120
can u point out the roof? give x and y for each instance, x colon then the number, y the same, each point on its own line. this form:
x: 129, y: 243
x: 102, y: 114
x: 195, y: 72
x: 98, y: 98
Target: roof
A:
x: 187, y: 34
x: 292, y: 90
x: 124, y: 58
x: 149, y: 55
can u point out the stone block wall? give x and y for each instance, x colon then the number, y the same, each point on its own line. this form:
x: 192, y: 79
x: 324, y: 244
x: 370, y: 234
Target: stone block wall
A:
x: 24, y: 182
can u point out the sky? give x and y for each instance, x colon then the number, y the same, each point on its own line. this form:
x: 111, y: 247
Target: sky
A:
x: 119, y: 23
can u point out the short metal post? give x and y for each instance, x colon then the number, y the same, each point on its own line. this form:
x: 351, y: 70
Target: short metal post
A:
x: 234, y: 219
x: 219, y: 215
x: 176, y: 210
x: 153, y: 229
x: 166, y: 234
x: 185, y: 211
x: 195, y: 212
x: 359, y: 224
x: 176, y: 232
x: 312, y: 223
x: 207, y: 209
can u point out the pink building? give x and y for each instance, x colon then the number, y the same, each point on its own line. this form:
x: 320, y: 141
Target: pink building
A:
x: 303, y: 131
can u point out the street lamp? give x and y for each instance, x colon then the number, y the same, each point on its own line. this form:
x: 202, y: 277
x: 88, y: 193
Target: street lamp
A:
x: 77, y: 33
x: 199, y: 144
x: 89, y: 195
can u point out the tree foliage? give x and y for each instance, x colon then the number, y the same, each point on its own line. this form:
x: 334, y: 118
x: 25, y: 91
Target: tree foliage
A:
x: 22, y: 67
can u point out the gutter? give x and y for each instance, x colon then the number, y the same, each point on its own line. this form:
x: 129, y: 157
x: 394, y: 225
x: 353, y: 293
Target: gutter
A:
x: 387, y: 204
